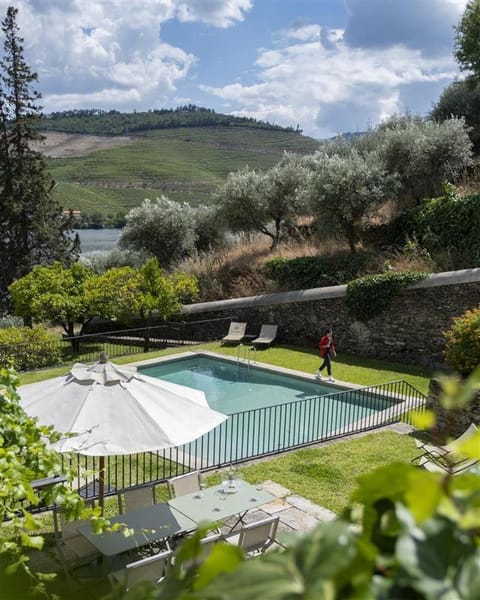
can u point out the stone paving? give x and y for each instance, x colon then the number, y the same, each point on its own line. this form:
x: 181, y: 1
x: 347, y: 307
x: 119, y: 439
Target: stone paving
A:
x: 297, y: 514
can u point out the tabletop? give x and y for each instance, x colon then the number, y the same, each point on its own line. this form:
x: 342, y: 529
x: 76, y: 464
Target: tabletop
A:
x: 150, y: 524
x: 216, y: 503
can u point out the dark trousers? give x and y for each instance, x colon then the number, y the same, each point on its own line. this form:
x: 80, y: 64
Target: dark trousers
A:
x: 326, y: 363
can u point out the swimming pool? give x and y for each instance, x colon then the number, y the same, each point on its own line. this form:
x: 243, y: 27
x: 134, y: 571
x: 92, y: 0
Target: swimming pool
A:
x: 232, y: 387
x: 268, y: 411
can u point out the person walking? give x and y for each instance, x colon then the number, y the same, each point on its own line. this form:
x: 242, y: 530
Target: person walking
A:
x: 327, y: 351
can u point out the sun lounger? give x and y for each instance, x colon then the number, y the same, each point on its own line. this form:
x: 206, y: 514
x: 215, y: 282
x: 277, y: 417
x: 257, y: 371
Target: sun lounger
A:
x: 437, y: 466
x: 266, y: 336
x: 235, y: 334
x: 447, y: 452
x: 447, y: 457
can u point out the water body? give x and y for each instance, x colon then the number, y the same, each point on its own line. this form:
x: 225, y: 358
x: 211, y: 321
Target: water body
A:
x: 97, y: 240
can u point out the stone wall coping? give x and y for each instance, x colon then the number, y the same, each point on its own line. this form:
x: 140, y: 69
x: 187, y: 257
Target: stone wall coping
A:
x: 337, y: 291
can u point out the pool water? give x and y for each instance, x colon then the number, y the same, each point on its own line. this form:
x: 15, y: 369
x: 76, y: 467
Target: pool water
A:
x: 231, y: 387
x: 268, y: 411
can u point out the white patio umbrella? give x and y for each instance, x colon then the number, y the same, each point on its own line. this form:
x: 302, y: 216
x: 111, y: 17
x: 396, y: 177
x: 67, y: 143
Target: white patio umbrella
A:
x: 114, y: 410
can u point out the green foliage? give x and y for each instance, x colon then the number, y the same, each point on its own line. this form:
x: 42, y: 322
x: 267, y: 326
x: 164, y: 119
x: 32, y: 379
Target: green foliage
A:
x: 344, y: 190
x: 32, y: 225
x: 163, y: 228
x: 263, y: 202
x: 462, y: 351
x: 309, y: 272
x: 423, y: 154
x: 26, y: 348
x: 23, y: 458
x: 53, y: 293
x: 125, y: 293
x: 449, y: 224
x: 467, y: 47
x: 462, y: 100
x: 369, y: 296
x: 171, y: 231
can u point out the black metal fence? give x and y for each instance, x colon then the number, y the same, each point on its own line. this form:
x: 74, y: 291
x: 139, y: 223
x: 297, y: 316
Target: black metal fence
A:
x: 257, y: 433
x: 115, y: 343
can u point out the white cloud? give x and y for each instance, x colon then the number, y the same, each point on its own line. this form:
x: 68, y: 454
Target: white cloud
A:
x: 323, y: 80
x: 302, y: 82
x: 84, y: 50
x: 221, y: 13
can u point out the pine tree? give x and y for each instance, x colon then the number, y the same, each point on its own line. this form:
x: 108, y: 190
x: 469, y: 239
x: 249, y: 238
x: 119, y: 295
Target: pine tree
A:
x: 33, y: 230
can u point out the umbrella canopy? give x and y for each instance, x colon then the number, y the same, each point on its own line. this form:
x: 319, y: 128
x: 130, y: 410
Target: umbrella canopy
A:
x: 114, y: 410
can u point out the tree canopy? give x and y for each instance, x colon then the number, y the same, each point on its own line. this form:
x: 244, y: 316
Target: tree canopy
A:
x: 76, y: 294
x: 342, y: 191
x: 467, y: 41
x: 163, y: 228
x: 32, y: 228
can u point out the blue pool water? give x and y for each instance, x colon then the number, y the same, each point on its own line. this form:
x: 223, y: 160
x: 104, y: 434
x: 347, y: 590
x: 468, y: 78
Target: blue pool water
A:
x: 231, y: 387
x: 267, y: 411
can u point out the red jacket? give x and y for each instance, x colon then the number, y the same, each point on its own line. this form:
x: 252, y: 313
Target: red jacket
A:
x: 328, y: 346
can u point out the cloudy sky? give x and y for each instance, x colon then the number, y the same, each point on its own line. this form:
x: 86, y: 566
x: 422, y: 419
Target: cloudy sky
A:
x: 329, y: 66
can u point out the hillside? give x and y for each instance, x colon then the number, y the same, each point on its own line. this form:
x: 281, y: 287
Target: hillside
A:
x: 111, y: 174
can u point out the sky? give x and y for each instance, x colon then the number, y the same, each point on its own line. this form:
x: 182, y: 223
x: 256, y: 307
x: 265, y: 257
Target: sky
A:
x: 328, y: 66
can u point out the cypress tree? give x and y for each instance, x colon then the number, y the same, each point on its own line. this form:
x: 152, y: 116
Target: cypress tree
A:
x: 33, y: 230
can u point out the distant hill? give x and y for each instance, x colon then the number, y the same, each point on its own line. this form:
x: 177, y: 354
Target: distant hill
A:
x: 113, y: 122
x: 104, y: 175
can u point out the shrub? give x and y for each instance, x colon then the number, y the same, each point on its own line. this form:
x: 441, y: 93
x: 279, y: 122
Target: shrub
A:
x: 25, y: 349
x: 369, y: 296
x: 450, y: 224
x: 309, y: 272
x: 462, y: 351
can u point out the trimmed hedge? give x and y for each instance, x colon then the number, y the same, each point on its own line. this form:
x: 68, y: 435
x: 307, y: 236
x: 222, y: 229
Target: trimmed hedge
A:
x: 369, y: 296
x: 26, y: 349
x: 310, y: 272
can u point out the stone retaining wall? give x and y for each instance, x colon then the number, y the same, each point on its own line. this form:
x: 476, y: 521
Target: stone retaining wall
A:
x: 452, y: 423
x: 410, y: 331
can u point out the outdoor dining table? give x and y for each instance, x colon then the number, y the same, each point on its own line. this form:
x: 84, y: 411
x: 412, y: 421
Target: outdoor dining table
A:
x: 149, y: 525
x: 222, y: 501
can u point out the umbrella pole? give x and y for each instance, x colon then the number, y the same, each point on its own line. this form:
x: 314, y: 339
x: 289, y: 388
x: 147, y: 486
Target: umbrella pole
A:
x: 101, y: 483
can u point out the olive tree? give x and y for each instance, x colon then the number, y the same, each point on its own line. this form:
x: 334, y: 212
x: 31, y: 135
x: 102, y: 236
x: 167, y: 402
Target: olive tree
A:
x: 262, y: 202
x: 461, y: 100
x: 163, y: 228
x: 343, y: 191
x: 424, y: 154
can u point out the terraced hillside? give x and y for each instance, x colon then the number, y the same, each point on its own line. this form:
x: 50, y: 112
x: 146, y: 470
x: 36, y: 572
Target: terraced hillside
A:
x: 186, y: 164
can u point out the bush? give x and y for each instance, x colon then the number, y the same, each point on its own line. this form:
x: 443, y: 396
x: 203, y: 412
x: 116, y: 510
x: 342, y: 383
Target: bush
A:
x: 369, y: 296
x: 25, y: 349
x: 309, y: 272
x: 450, y: 224
x: 462, y: 351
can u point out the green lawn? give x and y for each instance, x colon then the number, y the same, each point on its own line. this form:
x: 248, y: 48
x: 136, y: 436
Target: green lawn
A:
x: 352, y: 369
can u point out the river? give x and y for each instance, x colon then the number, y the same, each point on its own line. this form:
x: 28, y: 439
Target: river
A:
x: 94, y: 240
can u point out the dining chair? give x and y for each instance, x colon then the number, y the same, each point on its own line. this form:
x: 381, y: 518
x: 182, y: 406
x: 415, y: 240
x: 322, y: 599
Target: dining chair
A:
x: 134, y: 498
x: 184, y: 484
x: 256, y: 538
x: 74, y: 550
x: 206, y: 545
x: 152, y: 568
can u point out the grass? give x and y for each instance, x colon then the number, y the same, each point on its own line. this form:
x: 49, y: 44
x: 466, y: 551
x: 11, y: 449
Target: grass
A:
x: 348, y: 368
